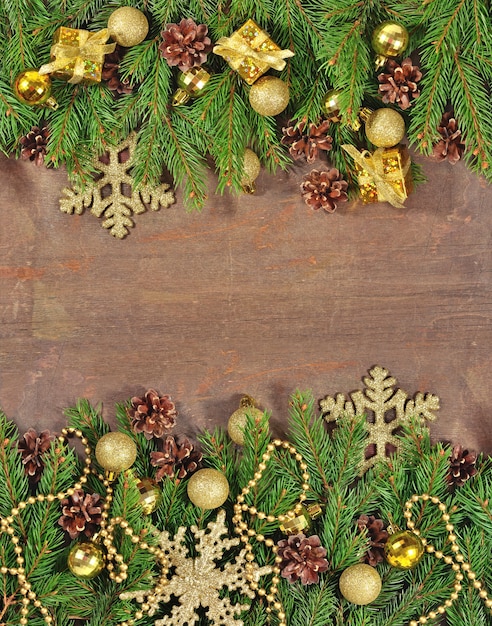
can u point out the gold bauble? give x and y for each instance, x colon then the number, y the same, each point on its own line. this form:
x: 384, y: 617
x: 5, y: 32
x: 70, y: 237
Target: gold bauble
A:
x: 150, y: 495
x: 331, y: 103
x: 116, y: 452
x: 360, y: 584
x: 403, y: 549
x: 190, y: 85
x: 385, y: 128
x: 390, y: 39
x: 128, y: 26
x: 251, y: 171
x: 301, y: 520
x: 208, y: 488
x: 269, y: 95
x: 34, y: 89
x: 237, y: 421
x: 85, y: 560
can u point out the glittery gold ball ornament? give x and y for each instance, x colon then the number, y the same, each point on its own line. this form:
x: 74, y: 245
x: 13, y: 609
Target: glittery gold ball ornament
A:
x: 390, y: 39
x: 385, y: 128
x: 208, y: 488
x: 128, y: 26
x: 116, y: 452
x: 237, y: 421
x: 269, y: 95
x: 331, y: 103
x: 403, y: 549
x: 34, y: 89
x: 360, y: 584
x: 85, y: 560
x: 251, y: 170
x: 150, y: 495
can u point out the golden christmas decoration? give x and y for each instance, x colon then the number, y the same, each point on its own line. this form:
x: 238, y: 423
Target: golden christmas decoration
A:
x: 269, y: 96
x: 34, y: 89
x: 150, y: 495
x: 116, y: 452
x: 403, y: 549
x: 85, y: 560
x: 190, y: 85
x: 360, y: 584
x: 237, y: 421
x: 251, y: 171
x: 208, y: 488
x: 389, y: 39
x: 385, y: 127
x: 128, y: 26
x: 379, y: 400
x: 301, y: 520
x: 331, y: 104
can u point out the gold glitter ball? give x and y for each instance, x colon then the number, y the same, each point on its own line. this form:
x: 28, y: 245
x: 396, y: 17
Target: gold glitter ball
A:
x: 360, y: 584
x: 269, y: 96
x: 385, y: 128
x: 251, y: 171
x: 403, y: 549
x: 85, y: 560
x: 116, y: 452
x: 208, y: 488
x: 390, y: 39
x: 128, y: 26
x: 237, y: 421
x: 150, y: 495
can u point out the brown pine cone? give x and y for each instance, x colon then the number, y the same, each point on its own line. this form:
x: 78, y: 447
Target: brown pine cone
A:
x: 323, y: 190
x: 451, y: 146
x: 34, y: 144
x: 377, y: 535
x: 110, y: 72
x: 152, y: 415
x: 307, y: 145
x: 461, y: 466
x: 398, y: 83
x: 32, y: 447
x: 81, y: 513
x: 302, y: 558
x: 179, y: 457
x: 185, y: 44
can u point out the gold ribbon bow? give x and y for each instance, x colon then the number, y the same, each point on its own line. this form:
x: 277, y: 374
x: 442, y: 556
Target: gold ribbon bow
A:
x: 373, y: 165
x: 91, y: 47
x: 235, y: 49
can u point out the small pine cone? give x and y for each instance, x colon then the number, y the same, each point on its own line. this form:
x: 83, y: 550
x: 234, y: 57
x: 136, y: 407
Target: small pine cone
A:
x: 152, y: 415
x: 81, y: 513
x: 451, y: 146
x: 376, y: 534
x: 32, y: 447
x: 34, y: 144
x: 110, y: 72
x: 302, y: 558
x: 307, y: 145
x: 179, y: 457
x: 323, y: 190
x: 461, y: 466
x: 185, y: 44
x: 398, y: 83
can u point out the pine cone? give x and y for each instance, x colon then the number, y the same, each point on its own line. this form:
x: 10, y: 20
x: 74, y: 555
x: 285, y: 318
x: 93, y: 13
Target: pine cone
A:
x: 302, y: 558
x: 307, y: 145
x: 461, y: 466
x: 32, y: 447
x: 110, y: 72
x: 399, y: 82
x: 34, y: 144
x: 451, y: 146
x: 324, y: 189
x: 376, y: 534
x: 81, y: 513
x: 179, y: 458
x: 185, y: 44
x: 152, y: 415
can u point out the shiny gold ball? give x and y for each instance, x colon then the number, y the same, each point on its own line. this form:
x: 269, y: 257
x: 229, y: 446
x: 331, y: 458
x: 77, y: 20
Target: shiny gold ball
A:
x: 331, y: 103
x: 208, y: 488
x: 251, y: 171
x: 150, y: 495
x: 385, y: 128
x: 85, y: 560
x: 390, y: 39
x: 237, y: 421
x: 32, y: 88
x: 403, y: 549
x: 360, y: 584
x: 269, y: 95
x: 128, y: 26
x: 116, y: 452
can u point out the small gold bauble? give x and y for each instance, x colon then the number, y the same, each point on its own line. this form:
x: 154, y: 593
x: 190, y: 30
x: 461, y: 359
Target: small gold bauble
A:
x: 269, y: 95
x: 116, y: 452
x: 85, y: 560
x: 237, y: 421
x: 190, y: 85
x: 34, y: 89
x: 403, y: 549
x: 331, y: 103
x: 385, y: 128
x: 150, y: 495
x: 128, y: 26
x: 390, y: 39
x: 208, y: 488
x: 251, y: 171
x: 360, y: 584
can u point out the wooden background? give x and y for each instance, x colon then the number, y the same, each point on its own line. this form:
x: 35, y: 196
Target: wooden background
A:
x: 257, y: 294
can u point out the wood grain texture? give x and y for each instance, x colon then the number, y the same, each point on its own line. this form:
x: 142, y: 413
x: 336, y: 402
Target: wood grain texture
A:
x: 257, y: 294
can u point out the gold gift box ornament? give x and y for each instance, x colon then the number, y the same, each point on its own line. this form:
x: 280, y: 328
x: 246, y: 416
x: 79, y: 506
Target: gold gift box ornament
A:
x: 251, y: 52
x: 383, y: 175
x: 77, y: 55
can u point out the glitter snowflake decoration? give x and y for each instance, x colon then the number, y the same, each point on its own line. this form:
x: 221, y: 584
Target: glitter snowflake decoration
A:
x: 197, y: 582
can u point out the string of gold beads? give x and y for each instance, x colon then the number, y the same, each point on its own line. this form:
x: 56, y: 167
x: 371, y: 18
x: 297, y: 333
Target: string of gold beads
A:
x: 457, y: 561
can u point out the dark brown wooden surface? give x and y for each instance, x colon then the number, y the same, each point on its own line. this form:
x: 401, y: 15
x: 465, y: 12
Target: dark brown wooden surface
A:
x: 257, y: 294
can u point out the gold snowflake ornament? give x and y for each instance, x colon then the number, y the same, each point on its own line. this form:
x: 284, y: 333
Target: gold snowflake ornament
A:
x: 113, y: 195
x: 198, y: 582
x: 389, y: 408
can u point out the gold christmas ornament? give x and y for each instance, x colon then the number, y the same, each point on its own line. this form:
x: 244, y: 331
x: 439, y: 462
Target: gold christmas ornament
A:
x: 116, y: 452
x: 360, y: 584
x: 384, y: 127
x: 300, y: 520
x: 85, y: 560
x: 150, y: 495
x: 208, y: 488
x: 251, y: 171
x: 269, y: 96
x: 32, y: 88
x: 389, y: 39
x: 128, y: 26
x: 237, y: 421
x: 403, y: 549
x: 331, y: 104
x: 190, y: 85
